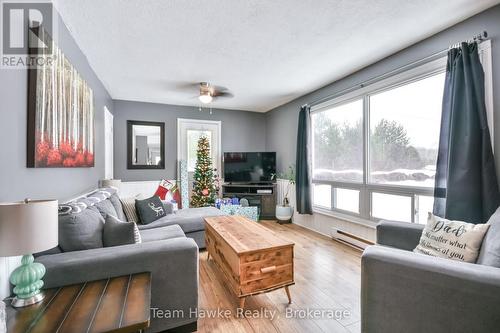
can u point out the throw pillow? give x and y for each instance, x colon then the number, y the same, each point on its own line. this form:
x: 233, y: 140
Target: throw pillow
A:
x: 169, y: 207
x: 80, y: 231
x: 107, y: 191
x: 129, y: 208
x: 490, y: 249
x: 115, y: 201
x: 106, y: 208
x: 117, y: 232
x: 454, y: 240
x: 150, y: 209
x: 88, y: 201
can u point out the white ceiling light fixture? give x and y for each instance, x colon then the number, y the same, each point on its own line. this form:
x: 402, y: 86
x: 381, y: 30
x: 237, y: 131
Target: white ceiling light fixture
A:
x: 208, y: 93
x: 205, y: 97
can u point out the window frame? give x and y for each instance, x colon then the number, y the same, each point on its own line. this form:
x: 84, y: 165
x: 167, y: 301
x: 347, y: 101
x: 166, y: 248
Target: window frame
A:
x: 366, y: 188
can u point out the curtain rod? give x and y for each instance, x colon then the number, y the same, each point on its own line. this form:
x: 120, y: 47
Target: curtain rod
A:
x: 479, y: 38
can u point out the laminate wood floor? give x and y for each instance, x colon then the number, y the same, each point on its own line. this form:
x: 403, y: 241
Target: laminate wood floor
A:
x: 325, y: 297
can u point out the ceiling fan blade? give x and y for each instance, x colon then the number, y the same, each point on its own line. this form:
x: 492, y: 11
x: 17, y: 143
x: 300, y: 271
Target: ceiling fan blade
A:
x: 203, y: 88
x: 218, y: 88
x: 224, y: 94
x: 192, y: 86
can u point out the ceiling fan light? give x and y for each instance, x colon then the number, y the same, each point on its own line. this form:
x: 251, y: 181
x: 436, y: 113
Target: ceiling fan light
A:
x: 205, y: 98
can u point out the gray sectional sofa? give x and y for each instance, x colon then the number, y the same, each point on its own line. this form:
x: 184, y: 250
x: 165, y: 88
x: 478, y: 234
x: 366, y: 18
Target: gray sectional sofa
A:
x: 402, y: 291
x: 169, y: 250
x: 190, y: 220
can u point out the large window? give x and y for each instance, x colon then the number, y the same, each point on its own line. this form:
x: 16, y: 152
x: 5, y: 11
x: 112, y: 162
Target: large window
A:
x: 375, y: 147
x: 375, y: 151
x: 338, y: 143
x: 404, y: 132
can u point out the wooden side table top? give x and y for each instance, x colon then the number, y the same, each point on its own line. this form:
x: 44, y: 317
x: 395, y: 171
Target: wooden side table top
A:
x: 120, y: 304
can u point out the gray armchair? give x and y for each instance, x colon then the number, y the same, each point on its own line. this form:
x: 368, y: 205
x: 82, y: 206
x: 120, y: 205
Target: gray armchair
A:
x: 402, y: 291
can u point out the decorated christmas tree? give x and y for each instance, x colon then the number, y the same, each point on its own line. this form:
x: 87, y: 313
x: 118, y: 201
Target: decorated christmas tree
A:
x: 204, y: 187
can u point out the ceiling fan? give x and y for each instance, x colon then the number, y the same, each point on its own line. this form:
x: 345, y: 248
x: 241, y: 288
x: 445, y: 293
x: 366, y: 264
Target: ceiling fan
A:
x: 208, y: 92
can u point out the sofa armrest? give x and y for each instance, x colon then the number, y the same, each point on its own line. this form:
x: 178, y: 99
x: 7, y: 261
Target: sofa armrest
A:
x: 403, y: 291
x: 173, y: 265
x: 401, y: 235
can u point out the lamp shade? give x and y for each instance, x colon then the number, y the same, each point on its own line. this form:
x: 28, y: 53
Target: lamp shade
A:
x: 28, y: 227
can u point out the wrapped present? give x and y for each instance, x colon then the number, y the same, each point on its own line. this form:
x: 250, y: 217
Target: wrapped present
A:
x: 249, y: 212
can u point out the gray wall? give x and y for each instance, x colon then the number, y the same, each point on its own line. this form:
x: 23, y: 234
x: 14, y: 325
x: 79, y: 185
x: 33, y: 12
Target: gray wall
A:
x: 241, y: 131
x: 18, y: 182
x: 282, y: 121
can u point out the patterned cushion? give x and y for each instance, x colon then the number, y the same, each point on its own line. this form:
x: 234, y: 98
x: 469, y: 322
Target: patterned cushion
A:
x: 128, y: 205
x: 137, y: 234
x: 150, y: 209
x: 455, y: 240
x: 88, y: 201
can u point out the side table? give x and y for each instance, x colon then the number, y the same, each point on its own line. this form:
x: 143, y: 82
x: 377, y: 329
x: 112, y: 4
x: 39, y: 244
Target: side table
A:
x: 119, y: 304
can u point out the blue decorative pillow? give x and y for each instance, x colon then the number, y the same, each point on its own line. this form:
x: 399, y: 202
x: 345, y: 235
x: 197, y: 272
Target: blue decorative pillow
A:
x: 150, y: 209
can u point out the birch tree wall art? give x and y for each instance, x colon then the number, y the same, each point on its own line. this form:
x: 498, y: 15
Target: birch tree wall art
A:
x: 60, y: 111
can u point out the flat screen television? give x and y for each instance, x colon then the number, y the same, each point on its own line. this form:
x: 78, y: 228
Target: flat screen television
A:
x: 240, y: 167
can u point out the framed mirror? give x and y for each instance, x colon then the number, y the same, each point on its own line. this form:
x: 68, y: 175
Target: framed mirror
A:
x: 145, y: 145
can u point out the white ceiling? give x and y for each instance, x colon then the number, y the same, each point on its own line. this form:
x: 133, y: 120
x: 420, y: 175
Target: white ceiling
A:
x: 266, y: 52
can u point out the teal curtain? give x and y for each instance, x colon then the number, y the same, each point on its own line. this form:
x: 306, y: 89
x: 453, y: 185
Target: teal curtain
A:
x: 466, y: 185
x: 303, y: 180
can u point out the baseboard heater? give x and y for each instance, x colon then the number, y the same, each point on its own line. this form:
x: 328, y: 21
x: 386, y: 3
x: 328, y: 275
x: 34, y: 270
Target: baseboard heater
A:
x: 350, y: 239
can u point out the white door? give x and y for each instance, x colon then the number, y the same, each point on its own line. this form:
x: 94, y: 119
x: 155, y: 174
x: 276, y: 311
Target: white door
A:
x: 108, y: 144
x: 188, y: 133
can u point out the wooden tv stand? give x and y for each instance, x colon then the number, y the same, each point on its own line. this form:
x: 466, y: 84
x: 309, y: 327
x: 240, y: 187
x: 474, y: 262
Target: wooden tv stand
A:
x: 260, y: 195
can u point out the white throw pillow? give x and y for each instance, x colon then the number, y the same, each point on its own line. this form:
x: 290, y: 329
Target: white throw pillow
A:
x: 454, y: 240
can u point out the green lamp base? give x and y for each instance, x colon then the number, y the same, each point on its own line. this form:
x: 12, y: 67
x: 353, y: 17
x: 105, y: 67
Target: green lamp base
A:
x: 27, y: 280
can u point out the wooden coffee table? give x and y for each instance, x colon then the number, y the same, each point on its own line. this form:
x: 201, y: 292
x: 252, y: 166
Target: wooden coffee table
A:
x: 120, y: 304
x: 251, y: 257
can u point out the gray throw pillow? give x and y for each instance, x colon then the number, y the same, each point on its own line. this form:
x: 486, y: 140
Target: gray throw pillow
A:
x: 169, y: 207
x: 106, y: 208
x: 490, y: 249
x: 150, y: 209
x: 81, y: 231
x: 115, y: 201
x: 117, y: 232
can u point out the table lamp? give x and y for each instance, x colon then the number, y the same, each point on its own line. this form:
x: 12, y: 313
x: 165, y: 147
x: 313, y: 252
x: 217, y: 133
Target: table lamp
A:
x: 28, y: 227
